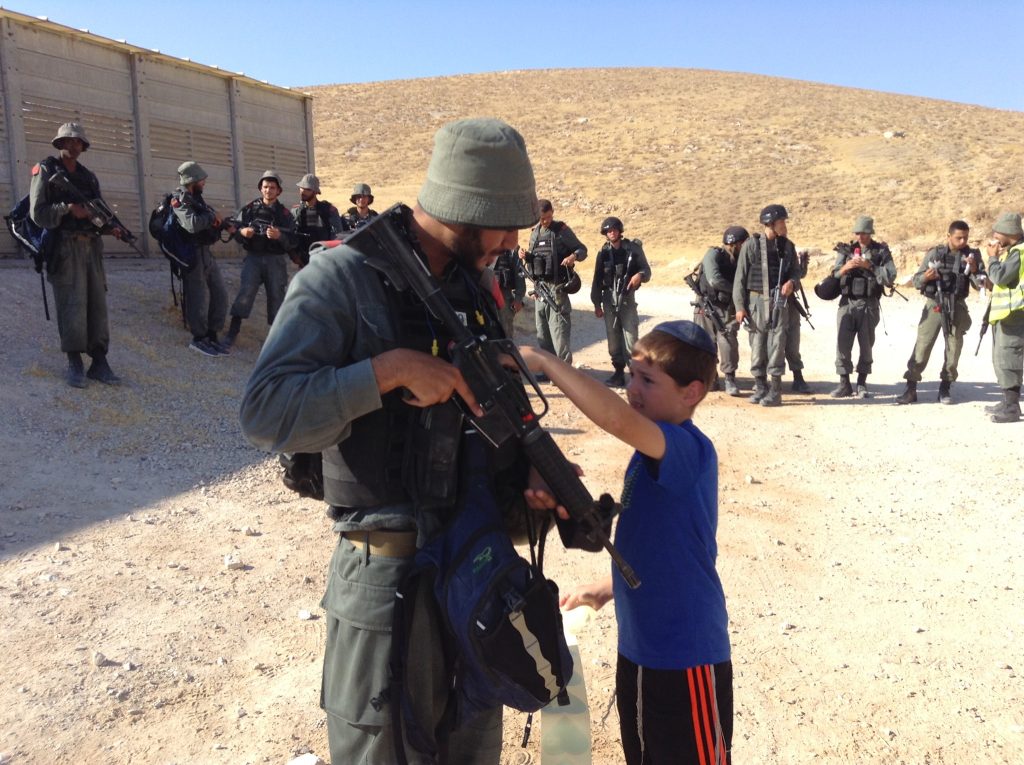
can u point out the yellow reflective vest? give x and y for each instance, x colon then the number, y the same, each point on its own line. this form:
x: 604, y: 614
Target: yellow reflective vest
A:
x: 1005, y: 300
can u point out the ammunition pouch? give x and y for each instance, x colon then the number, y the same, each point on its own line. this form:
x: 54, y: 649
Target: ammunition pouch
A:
x: 430, y: 466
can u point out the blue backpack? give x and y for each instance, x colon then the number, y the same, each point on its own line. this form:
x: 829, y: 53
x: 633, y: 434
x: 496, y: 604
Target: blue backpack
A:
x: 37, y: 241
x: 174, y: 243
x: 503, y: 642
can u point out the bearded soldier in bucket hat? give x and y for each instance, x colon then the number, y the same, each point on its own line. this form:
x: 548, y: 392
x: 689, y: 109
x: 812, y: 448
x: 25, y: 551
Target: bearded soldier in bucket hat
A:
x: 346, y: 369
x: 75, y: 266
x: 206, y: 298
x: 1006, y: 313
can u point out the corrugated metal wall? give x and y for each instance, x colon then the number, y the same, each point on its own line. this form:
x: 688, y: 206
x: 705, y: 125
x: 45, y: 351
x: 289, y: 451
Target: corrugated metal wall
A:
x: 144, y: 113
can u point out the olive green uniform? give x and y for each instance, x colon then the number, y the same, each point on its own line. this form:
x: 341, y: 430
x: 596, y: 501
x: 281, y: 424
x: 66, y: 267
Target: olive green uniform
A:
x: 956, y: 283
x: 720, y: 272
x: 1008, y: 332
x: 753, y: 291
x: 613, y: 270
x: 548, y: 248
x: 512, y: 283
x: 75, y: 266
x: 205, y: 296
x: 859, y: 308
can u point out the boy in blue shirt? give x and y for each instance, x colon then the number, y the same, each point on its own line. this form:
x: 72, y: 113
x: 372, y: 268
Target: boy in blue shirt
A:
x: 674, y: 673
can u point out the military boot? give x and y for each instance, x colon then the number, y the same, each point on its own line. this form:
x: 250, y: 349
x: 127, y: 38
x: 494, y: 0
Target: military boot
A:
x: 1011, y: 407
x: 760, y: 390
x: 843, y: 389
x: 799, y: 384
x: 617, y: 380
x: 945, y: 397
x: 862, y: 387
x: 76, y: 371
x: 232, y: 333
x: 731, y: 388
x: 100, y: 370
x: 774, y: 395
x: 909, y: 395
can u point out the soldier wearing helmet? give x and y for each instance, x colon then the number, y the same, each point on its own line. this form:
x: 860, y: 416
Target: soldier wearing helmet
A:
x: 316, y: 220
x: 717, y: 274
x: 75, y: 264
x: 620, y: 269
x: 360, y: 213
x: 266, y: 231
x: 767, y: 273
x: 552, y: 254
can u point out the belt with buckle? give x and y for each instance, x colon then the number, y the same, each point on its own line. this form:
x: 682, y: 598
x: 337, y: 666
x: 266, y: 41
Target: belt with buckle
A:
x: 390, y: 544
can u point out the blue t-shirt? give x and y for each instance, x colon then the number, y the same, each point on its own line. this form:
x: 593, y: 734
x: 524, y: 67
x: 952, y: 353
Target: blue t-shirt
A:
x: 676, y: 618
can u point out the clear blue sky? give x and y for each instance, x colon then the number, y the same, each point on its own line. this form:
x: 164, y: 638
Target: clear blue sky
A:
x: 959, y: 51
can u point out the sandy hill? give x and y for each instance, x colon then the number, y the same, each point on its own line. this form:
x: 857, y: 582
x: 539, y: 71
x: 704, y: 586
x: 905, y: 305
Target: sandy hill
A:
x: 680, y: 154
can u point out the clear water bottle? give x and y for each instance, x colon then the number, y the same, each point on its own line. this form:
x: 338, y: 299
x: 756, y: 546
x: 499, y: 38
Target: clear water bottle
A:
x: 565, y: 730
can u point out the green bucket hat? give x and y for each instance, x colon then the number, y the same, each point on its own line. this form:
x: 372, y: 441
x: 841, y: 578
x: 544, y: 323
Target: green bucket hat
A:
x: 480, y: 175
x: 190, y: 172
x: 864, y: 224
x: 70, y: 130
x: 1009, y: 224
x: 310, y: 182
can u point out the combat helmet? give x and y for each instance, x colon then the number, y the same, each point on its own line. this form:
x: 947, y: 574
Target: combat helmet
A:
x: 772, y: 213
x: 609, y: 223
x: 70, y: 130
x: 735, y: 235
x: 361, y: 190
x: 271, y: 176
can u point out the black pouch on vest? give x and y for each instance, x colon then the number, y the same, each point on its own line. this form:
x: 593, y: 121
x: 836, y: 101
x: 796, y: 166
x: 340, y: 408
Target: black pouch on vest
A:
x: 430, y: 468
x: 304, y: 473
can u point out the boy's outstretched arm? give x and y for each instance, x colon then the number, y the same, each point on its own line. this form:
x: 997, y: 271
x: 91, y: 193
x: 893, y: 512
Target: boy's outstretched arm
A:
x: 600, y: 404
x: 595, y: 595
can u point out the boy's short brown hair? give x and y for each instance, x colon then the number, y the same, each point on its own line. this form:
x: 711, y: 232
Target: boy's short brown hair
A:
x: 681, y: 361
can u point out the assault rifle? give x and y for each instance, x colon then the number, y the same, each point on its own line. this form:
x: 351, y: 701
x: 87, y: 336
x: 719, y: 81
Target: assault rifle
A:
x: 260, y: 226
x: 704, y: 302
x: 543, y: 291
x: 508, y: 413
x: 100, y: 214
x: 984, y: 325
x: 947, y: 304
x: 805, y: 309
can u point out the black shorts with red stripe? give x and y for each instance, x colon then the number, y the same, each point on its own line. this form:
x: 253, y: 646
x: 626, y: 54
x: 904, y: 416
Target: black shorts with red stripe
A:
x: 678, y: 716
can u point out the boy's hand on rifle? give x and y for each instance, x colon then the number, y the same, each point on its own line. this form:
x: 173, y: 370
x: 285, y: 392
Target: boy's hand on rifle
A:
x: 533, y: 358
x: 273, y: 232
x: 594, y: 594
x: 248, y: 232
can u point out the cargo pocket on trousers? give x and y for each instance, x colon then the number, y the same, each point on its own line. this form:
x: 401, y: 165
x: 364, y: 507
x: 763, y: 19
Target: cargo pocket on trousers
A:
x: 359, y: 603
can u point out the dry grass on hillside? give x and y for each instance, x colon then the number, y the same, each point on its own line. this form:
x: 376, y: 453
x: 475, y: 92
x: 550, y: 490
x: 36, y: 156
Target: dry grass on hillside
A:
x: 680, y: 154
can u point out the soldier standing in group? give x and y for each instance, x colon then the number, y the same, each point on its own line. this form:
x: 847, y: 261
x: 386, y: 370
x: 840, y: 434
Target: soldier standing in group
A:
x: 512, y: 283
x: 550, y: 258
x: 75, y: 264
x: 360, y: 213
x: 718, y: 272
x: 767, y: 273
x: 316, y: 220
x: 203, y: 292
x: 795, y: 316
x: 265, y: 229
x: 944, y: 278
x: 864, y: 269
x: 1006, y: 313
x: 621, y: 267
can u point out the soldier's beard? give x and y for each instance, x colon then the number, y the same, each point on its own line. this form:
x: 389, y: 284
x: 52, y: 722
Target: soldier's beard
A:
x: 468, y: 251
